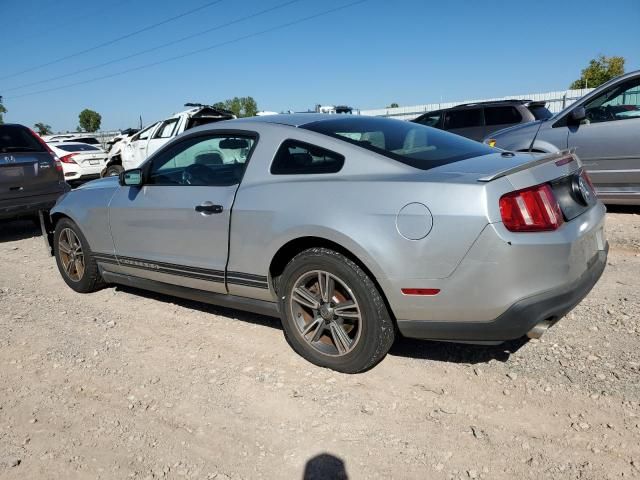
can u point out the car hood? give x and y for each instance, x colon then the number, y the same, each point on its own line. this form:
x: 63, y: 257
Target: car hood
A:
x: 106, y: 182
x: 522, y: 128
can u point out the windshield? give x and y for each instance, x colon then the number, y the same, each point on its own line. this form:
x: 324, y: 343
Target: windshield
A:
x: 410, y: 143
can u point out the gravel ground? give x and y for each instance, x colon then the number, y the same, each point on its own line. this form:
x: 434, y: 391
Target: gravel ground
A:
x: 126, y: 384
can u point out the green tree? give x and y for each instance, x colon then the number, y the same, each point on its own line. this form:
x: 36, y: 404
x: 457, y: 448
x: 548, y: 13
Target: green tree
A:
x: 2, y: 111
x: 600, y: 70
x: 89, y: 120
x: 393, y: 105
x: 240, y: 106
x: 43, y: 129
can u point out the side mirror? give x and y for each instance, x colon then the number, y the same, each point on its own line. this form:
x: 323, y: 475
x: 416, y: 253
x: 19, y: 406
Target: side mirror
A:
x: 131, y: 178
x: 578, y: 114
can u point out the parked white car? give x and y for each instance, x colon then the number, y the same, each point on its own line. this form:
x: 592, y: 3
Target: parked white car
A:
x: 80, y: 161
x: 131, y: 152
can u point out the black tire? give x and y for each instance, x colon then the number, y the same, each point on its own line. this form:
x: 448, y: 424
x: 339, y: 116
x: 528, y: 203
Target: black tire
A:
x: 90, y: 280
x: 113, y: 170
x: 376, y: 328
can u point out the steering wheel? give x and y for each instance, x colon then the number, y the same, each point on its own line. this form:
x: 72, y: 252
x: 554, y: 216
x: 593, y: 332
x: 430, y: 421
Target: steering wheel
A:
x: 196, y: 174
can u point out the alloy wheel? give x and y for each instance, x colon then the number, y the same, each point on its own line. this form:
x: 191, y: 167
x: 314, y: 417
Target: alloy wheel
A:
x: 71, y: 255
x: 326, y: 313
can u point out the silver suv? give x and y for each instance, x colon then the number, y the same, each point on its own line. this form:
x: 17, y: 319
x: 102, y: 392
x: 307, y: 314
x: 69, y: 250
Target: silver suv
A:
x: 604, y: 129
x: 477, y: 120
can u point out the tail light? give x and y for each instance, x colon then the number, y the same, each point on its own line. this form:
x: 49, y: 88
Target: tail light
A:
x: 48, y: 149
x: 68, y: 158
x: 533, y: 209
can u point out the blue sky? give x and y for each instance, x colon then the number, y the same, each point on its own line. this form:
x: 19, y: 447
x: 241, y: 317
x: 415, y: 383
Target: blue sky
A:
x: 367, y: 55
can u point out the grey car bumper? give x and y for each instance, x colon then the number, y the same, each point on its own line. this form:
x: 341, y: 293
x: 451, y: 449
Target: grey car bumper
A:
x: 519, y: 319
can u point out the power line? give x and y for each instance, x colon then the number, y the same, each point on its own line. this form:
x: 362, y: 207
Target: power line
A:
x: 153, y: 49
x: 110, y: 42
x: 194, y: 52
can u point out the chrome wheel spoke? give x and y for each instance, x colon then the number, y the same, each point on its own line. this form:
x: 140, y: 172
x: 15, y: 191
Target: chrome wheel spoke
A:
x: 326, y: 286
x: 340, y: 338
x: 64, y: 247
x: 316, y: 326
x: 305, y: 298
x: 347, y: 310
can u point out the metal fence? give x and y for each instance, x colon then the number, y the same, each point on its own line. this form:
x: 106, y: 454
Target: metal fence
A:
x: 556, y: 101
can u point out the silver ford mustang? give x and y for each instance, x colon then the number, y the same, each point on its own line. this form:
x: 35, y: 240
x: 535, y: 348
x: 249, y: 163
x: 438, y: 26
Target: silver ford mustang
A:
x: 350, y: 229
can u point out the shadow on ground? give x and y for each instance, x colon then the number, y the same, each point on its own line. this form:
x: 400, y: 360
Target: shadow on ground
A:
x: 13, y: 230
x: 403, y: 347
x: 325, y: 467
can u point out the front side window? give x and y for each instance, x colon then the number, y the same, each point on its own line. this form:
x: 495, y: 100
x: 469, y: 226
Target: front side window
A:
x: 620, y: 102
x: 470, y: 117
x: 144, y: 134
x: 501, y: 115
x: 218, y: 160
x: 296, y: 158
x: 166, y: 129
x: 410, y: 143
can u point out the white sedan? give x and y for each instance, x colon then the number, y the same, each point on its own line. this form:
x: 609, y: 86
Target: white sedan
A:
x: 79, y: 160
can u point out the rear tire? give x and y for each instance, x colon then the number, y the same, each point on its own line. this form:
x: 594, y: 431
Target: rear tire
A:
x: 332, y: 313
x: 75, y: 261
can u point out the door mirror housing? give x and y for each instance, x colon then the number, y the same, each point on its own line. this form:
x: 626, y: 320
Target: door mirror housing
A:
x: 578, y: 114
x: 131, y: 178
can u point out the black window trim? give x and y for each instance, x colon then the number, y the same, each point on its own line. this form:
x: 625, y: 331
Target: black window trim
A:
x: 308, y: 146
x: 173, y: 120
x: 146, y: 166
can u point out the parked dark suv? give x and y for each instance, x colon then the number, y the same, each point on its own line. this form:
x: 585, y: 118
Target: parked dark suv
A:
x: 477, y: 120
x: 31, y: 177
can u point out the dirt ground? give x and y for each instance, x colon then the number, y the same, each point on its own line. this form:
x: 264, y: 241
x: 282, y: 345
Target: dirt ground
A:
x: 126, y: 384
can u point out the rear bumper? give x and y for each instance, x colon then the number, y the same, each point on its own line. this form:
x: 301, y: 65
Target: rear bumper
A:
x: 27, y: 206
x: 520, y: 318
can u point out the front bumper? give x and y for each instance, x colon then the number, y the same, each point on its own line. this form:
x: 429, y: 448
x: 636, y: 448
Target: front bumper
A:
x: 520, y: 318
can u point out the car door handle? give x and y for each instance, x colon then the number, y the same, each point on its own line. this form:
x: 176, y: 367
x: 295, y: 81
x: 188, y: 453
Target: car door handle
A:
x: 208, y: 208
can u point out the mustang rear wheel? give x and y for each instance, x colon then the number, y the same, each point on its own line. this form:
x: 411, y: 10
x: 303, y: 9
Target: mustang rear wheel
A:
x: 74, y: 258
x: 333, y: 314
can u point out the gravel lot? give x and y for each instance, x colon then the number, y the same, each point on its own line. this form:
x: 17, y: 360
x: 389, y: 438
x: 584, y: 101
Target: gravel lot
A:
x: 126, y: 384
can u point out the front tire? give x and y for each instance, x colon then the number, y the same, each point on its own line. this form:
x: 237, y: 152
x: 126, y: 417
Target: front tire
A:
x: 75, y: 261
x: 113, y: 170
x: 332, y: 313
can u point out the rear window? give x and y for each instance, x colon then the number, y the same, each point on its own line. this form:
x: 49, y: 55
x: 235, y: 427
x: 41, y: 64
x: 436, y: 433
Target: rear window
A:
x: 78, y: 148
x: 501, y: 115
x: 470, y: 117
x: 14, y: 138
x: 410, y: 143
x: 540, y: 112
x: 88, y: 140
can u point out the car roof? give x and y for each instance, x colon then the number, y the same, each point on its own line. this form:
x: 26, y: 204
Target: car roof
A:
x: 295, y: 119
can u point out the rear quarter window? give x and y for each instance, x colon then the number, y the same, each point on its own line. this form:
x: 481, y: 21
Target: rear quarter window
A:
x: 298, y: 158
x: 471, y: 117
x: 501, y: 115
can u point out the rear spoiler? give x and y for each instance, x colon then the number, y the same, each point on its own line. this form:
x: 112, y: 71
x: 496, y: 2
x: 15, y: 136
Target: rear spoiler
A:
x: 560, y: 158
